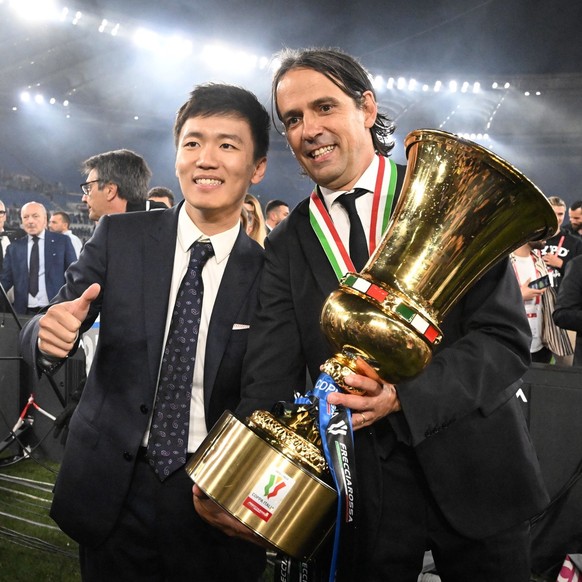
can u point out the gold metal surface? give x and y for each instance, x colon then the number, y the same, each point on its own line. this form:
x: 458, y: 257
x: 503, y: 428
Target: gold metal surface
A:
x: 288, y: 442
x: 461, y: 209
x: 340, y: 365
x: 241, y: 471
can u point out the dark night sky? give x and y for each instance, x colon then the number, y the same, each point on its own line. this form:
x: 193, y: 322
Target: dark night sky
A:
x: 109, y: 81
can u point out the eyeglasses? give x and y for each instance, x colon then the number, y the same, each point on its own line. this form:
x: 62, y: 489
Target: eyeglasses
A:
x: 86, y: 187
x: 2, y: 212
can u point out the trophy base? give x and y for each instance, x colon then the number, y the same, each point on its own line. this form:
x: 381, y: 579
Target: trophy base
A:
x: 274, y: 496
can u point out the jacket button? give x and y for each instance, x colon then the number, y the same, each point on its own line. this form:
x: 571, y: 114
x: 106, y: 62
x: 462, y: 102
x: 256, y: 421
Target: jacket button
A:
x: 144, y: 409
x: 127, y: 456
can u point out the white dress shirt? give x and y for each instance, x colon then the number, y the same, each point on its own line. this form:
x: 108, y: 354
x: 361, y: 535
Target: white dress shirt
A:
x: 188, y: 234
x: 339, y: 214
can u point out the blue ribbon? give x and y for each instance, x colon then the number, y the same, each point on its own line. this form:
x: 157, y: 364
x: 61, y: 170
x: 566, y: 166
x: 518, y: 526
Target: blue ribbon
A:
x: 335, y: 428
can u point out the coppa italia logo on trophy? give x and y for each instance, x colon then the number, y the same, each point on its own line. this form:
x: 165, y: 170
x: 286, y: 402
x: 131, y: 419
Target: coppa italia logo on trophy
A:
x: 268, y: 493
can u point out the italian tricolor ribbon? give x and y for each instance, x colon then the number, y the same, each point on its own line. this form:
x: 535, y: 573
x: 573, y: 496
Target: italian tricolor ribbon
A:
x: 326, y: 232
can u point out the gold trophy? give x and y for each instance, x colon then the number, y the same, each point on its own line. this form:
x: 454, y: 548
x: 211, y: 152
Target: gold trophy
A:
x: 461, y: 209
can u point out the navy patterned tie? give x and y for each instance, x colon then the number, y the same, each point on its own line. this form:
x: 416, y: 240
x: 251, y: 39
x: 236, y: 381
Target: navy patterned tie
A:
x: 168, y: 441
x: 358, y: 245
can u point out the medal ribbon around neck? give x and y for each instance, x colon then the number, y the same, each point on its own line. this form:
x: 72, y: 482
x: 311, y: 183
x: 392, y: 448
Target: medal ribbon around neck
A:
x: 327, y: 234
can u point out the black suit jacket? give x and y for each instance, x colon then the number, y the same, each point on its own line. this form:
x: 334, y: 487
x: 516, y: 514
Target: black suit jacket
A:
x: 459, y: 415
x: 131, y: 256
x: 568, y: 311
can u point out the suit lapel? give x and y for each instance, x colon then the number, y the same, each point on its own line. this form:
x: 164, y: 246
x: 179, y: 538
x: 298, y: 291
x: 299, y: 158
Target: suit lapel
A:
x: 316, y: 258
x: 159, y: 245
x: 238, y: 278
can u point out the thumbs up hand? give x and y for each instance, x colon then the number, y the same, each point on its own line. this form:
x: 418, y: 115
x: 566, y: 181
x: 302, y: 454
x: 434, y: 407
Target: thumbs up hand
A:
x: 59, y: 327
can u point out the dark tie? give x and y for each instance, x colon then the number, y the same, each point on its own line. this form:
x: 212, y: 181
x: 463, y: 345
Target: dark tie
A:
x: 358, y: 244
x: 168, y: 441
x: 33, y: 268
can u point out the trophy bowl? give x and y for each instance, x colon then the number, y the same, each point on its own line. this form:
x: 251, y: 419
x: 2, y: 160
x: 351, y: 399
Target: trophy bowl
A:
x: 269, y: 479
x: 460, y: 211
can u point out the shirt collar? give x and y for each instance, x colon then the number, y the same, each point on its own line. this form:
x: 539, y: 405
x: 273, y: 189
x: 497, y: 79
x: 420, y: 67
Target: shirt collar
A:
x: 40, y: 235
x: 367, y: 180
x: 189, y: 233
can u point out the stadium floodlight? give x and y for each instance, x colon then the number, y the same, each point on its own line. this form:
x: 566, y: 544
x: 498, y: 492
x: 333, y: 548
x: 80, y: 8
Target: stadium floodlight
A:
x: 36, y: 10
x: 147, y: 39
x: 221, y: 57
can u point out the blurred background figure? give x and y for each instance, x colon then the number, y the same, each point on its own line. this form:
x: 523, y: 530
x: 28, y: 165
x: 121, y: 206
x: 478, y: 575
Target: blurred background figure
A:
x: 275, y: 212
x: 562, y: 247
x: 575, y: 216
x: 4, y: 240
x: 35, y: 264
x: 548, y: 340
x: 61, y: 222
x: 163, y: 195
x: 117, y: 181
x: 255, y: 225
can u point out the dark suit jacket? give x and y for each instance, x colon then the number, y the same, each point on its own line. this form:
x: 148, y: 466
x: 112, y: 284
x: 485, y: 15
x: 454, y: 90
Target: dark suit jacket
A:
x: 568, y: 311
x: 58, y: 255
x: 131, y: 256
x: 460, y: 414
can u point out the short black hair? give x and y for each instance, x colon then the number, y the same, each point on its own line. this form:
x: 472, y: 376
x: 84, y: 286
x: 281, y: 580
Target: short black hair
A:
x: 162, y: 192
x: 221, y: 99
x: 345, y: 72
x: 576, y: 205
x: 273, y: 204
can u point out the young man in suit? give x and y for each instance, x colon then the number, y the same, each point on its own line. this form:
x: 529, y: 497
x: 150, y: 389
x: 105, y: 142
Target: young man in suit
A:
x: 443, y: 461
x: 122, y: 492
x: 35, y: 264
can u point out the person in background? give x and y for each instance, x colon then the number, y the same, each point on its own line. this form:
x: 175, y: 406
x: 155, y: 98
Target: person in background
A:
x: 275, y: 212
x: 35, y: 264
x: 4, y: 238
x: 562, y: 247
x: 255, y: 227
x: 4, y: 242
x: 431, y: 451
x: 575, y: 216
x: 117, y: 181
x: 568, y: 311
x: 176, y: 290
x: 61, y: 222
x: 163, y: 195
x: 548, y: 340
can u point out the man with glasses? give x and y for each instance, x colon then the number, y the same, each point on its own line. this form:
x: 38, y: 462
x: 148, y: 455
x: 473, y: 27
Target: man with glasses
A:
x: 61, y: 222
x: 117, y: 181
x: 4, y: 242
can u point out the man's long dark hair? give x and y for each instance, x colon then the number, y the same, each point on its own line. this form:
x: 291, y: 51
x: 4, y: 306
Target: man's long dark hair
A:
x: 344, y: 72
